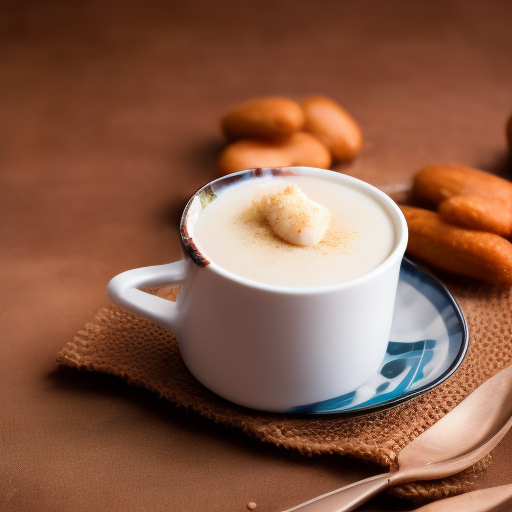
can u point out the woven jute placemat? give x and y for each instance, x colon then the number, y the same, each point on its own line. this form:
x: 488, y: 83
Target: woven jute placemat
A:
x: 142, y: 353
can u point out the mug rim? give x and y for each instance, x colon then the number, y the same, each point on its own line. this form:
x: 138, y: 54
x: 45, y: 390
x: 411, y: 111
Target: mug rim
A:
x: 192, y: 251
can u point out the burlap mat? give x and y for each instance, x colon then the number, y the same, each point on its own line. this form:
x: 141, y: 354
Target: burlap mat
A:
x: 142, y: 353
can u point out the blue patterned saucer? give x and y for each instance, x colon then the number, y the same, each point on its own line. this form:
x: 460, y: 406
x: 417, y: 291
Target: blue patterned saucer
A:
x: 429, y: 341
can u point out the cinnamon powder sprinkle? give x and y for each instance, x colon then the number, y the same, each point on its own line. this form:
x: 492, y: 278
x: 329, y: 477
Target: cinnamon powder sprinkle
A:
x: 337, y: 239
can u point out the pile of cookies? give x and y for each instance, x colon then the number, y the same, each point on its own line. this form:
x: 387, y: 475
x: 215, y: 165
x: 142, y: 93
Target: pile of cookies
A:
x: 469, y: 232
x: 279, y: 132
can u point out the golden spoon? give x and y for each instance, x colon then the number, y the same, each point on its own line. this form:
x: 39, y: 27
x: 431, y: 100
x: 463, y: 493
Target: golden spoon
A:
x: 458, y: 440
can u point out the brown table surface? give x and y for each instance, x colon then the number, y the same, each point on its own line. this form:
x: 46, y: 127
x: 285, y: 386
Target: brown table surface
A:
x: 109, y: 114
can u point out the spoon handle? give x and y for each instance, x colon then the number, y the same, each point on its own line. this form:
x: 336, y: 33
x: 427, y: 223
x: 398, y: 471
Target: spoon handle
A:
x: 495, y: 499
x: 347, y: 498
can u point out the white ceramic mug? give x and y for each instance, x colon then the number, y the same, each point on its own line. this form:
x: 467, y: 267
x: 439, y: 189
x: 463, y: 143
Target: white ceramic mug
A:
x: 270, y: 347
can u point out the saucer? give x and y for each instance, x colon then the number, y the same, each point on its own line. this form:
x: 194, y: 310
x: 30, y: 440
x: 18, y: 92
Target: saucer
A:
x: 429, y: 339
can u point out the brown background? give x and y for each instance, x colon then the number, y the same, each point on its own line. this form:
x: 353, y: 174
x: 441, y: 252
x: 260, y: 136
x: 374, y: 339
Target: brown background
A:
x: 108, y: 118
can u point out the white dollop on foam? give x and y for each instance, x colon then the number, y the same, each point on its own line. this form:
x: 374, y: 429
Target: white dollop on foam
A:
x: 294, y: 217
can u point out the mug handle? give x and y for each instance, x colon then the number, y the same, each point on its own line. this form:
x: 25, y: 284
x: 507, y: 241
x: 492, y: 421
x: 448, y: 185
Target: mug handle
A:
x: 123, y: 290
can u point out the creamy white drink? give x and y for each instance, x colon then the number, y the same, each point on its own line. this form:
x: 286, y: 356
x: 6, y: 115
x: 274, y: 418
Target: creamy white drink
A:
x: 233, y: 233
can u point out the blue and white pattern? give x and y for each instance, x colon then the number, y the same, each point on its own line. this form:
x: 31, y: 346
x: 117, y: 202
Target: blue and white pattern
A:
x: 429, y: 341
